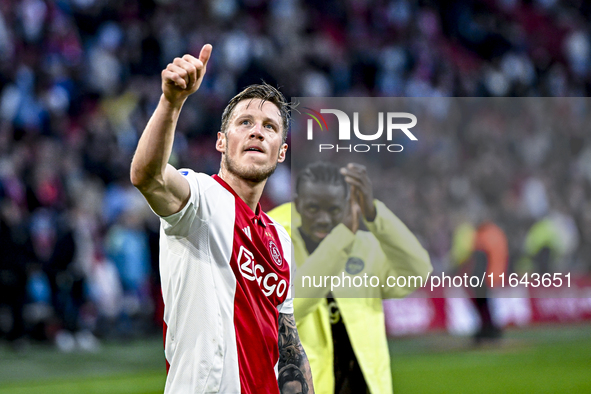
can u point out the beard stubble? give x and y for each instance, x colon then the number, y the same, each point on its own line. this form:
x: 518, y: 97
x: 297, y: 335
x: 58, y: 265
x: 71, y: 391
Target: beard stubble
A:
x: 251, y: 173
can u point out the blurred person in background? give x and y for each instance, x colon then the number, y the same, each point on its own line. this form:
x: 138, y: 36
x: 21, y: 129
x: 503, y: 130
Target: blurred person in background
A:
x: 66, y: 277
x: 15, y: 261
x: 126, y: 245
x: 490, y: 256
x: 549, y: 244
x: 478, y: 251
x: 54, y: 244
x: 346, y: 336
x: 106, y: 292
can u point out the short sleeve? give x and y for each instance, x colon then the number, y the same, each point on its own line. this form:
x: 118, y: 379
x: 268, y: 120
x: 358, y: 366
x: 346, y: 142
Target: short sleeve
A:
x: 286, y: 244
x: 287, y: 305
x: 179, y: 224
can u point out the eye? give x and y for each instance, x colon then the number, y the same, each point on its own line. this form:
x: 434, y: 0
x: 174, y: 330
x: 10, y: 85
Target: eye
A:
x: 270, y: 126
x: 335, y: 211
x: 245, y: 122
x: 312, y: 210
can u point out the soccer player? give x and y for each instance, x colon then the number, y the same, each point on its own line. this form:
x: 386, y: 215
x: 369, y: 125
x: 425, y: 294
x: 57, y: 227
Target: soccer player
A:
x: 345, y: 336
x: 225, y: 265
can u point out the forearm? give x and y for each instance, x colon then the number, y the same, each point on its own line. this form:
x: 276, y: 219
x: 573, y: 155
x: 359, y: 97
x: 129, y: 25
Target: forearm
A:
x: 306, y: 370
x: 155, y: 145
x: 328, y: 259
x: 165, y: 189
x: 291, y: 351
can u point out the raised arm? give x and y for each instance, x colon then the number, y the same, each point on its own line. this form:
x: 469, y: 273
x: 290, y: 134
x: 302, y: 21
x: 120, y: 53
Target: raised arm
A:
x: 404, y: 255
x: 165, y: 189
x: 291, y: 350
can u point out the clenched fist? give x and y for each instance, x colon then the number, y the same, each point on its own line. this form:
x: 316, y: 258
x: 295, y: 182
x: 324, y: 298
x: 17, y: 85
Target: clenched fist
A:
x: 183, y: 76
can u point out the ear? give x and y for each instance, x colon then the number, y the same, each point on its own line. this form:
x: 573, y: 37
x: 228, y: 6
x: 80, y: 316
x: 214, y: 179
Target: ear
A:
x: 282, y: 153
x: 220, y: 144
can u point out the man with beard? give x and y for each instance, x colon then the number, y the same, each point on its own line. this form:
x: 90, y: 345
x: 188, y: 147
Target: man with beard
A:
x: 344, y: 329
x: 225, y: 265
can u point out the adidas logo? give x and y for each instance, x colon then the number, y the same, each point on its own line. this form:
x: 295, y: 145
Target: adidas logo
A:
x: 247, y: 232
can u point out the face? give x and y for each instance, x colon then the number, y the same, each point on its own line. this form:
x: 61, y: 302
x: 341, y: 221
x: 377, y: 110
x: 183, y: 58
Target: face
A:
x: 321, y: 207
x: 293, y: 387
x: 253, y: 143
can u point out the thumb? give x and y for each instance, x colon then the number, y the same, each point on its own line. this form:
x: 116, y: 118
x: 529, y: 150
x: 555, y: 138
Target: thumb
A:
x: 356, y: 214
x: 354, y: 209
x: 205, y: 54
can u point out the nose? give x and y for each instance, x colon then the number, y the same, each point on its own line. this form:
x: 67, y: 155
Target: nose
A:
x: 257, y: 132
x: 322, y: 218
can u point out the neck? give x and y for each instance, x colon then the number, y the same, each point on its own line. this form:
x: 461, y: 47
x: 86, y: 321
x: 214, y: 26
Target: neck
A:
x: 310, y: 245
x: 249, y: 192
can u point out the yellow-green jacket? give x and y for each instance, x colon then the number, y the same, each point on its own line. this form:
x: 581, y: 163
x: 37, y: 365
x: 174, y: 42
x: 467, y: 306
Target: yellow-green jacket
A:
x: 388, y: 249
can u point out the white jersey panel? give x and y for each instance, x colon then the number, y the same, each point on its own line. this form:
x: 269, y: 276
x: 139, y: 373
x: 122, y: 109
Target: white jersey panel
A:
x: 198, y: 288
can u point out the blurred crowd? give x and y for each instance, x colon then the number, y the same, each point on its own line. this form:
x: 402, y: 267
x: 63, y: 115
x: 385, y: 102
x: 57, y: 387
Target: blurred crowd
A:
x: 80, y: 78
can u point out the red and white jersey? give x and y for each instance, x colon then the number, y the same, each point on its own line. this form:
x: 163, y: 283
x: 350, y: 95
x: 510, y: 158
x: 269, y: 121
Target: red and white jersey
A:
x: 226, y: 276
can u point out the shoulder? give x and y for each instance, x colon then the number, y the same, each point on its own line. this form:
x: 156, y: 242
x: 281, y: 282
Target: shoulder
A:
x: 200, y: 177
x: 205, y: 184
x: 286, y: 215
x: 207, y: 196
x: 281, y: 231
x: 281, y: 214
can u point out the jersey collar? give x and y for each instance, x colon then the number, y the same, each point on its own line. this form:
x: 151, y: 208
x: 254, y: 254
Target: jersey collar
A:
x: 259, y: 218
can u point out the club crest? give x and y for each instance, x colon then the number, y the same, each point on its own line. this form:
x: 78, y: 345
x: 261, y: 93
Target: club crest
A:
x: 275, y: 253
x: 354, y: 265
